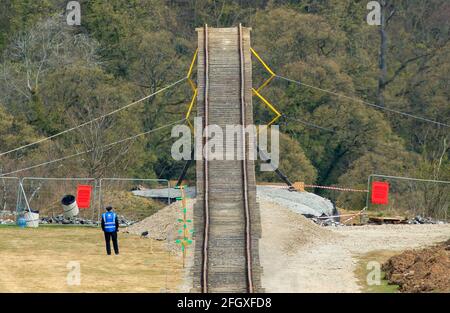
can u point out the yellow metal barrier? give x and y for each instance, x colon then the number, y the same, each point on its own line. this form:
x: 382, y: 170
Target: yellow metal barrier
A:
x: 191, y: 105
x: 193, y: 87
x: 262, y: 62
x: 267, y: 103
x: 267, y: 82
x: 189, y: 74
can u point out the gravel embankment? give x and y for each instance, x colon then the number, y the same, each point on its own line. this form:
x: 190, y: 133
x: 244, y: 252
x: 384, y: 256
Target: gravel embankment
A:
x: 300, y: 202
x: 164, y: 225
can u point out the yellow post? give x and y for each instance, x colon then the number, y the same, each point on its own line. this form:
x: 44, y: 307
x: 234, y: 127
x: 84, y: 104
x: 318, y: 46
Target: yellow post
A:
x: 193, y: 87
x: 191, y: 67
x: 183, y: 242
x: 299, y: 186
x: 191, y: 105
x: 257, y: 91
x: 262, y: 62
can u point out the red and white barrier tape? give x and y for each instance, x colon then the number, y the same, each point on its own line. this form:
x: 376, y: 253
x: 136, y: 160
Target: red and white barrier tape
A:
x: 321, y: 187
x: 336, y: 188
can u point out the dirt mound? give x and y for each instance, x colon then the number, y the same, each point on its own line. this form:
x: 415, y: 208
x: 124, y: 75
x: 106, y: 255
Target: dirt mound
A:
x: 425, y: 270
x: 164, y: 224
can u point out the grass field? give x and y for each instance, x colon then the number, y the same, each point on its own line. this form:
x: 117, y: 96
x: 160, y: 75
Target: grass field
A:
x: 36, y: 260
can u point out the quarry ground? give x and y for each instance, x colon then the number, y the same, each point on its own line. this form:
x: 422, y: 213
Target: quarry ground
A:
x: 37, y: 260
x: 298, y: 256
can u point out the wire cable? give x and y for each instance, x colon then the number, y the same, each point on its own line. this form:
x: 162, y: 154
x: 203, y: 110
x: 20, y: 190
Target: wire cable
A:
x: 306, y: 123
x: 424, y: 119
x: 93, y: 120
x: 90, y: 150
x: 312, y: 125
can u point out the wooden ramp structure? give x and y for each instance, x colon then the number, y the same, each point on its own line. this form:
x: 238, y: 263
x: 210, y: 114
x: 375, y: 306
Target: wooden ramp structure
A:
x: 226, y: 216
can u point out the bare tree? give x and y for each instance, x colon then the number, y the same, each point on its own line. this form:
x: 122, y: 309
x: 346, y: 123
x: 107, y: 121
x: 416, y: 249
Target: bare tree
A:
x: 35, y: 52
x: 387, y: 12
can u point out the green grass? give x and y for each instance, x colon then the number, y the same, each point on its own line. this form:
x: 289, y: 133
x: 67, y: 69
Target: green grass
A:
x: 361, y: 272
x: 9, y: 226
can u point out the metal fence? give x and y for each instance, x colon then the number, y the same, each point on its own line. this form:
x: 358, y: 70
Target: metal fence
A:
x: 413, y: 196
x: 9, y: 192
x: 132, y: 197
x: 45, y: 194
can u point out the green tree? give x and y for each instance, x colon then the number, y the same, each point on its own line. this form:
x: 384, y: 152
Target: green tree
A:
x: 293, y: 163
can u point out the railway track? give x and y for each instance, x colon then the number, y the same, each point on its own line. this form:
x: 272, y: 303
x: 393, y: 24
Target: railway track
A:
x: 227, y: 217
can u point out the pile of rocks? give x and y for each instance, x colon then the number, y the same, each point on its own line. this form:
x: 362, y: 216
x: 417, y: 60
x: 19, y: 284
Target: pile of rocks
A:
x: 60, y: 219
x: 326, y: 221
x: 299, y: 202
x: 6, y: 221
x: 424, y: 220
x: 7, y: 217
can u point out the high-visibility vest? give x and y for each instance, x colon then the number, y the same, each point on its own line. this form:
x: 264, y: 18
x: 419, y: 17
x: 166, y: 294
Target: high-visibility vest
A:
x: 109, y: 218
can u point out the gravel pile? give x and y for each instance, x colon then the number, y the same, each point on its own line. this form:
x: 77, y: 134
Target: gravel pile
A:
x: 299, y: 202
x: 424, y: 220
x: 164, y: 225
x: 284, y: 231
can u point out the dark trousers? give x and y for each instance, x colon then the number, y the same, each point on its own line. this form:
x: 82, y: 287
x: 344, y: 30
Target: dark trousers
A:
x: 108, y: 237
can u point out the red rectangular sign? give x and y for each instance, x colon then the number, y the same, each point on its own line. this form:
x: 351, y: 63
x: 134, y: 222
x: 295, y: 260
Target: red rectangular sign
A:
x: 380, y: 192
x: 84, y: 196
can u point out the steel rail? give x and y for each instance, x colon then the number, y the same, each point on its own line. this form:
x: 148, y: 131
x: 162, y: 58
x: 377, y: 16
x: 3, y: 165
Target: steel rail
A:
x: 248, y: 244
x: 205, y: 167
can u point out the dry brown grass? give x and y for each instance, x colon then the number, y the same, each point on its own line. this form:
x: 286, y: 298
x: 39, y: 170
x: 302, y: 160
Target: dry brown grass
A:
x: 35, y: 260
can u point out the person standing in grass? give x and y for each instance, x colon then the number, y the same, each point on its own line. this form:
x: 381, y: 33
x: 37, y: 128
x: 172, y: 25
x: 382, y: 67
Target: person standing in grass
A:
x: 110, y: 227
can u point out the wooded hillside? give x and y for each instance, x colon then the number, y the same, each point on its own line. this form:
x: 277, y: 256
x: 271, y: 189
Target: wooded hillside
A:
x: 54, y: 76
